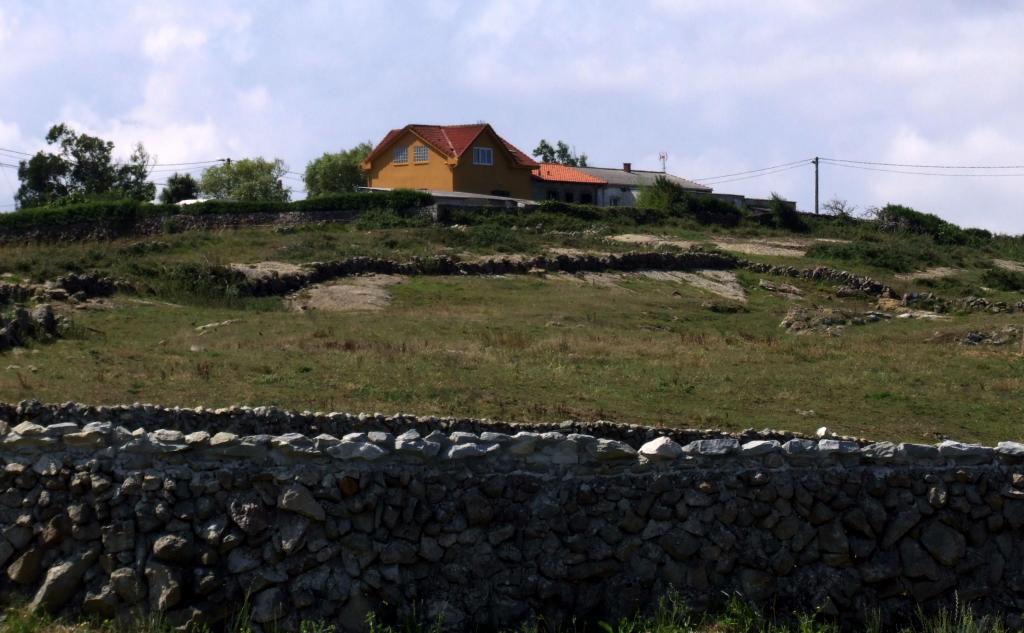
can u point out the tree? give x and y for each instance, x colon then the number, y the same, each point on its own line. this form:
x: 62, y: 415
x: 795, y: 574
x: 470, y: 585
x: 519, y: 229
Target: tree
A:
x: 179, y: 187
x: 338, y: 172
x: 83, y: 169
x: 249, y: 179
x: 839, y: 208
x: 560, y: 154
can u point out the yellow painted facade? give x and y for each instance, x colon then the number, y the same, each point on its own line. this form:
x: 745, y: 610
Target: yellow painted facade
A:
x: 441, y: 173
x: 435, y: 173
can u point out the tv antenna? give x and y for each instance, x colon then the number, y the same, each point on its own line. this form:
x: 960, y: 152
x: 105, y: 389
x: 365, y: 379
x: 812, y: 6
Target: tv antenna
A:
x: 663, y: 157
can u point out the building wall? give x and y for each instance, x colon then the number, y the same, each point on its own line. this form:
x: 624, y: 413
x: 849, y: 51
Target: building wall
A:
x: 548, y: 190
x: 435, y: 174
x: 616, y: 196
x: 503, y: 175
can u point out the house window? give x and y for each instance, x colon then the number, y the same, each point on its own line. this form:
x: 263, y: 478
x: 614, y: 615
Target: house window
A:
x: 483, y: 156
x: 401, y: 155
x: 615, y: 201
x: 552, y: 194
x: 586, y: 198
x: 419, y: 154
x: 568, y: 196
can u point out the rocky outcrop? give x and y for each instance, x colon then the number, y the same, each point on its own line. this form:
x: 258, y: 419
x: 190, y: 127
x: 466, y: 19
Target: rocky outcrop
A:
x: 488, y: 529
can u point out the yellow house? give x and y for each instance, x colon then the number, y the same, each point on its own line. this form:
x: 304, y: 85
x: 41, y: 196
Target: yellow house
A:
x: 469, y: 158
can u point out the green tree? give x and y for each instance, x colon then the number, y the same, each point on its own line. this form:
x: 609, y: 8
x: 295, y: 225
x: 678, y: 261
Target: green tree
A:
x: 83, y: 169
x: 560, y: 154
x: 179, y: 187
x: 249, y: 179
x: 336, y: 173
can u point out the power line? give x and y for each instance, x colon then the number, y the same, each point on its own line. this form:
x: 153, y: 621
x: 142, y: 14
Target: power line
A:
x: 752, y: 171
x: 14, y: 151
x: 920, y: 173
x: 777, y: 171
x: 868, y: 162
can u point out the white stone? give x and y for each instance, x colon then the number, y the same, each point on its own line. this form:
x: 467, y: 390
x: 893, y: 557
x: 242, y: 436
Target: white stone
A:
x: 661, y: 448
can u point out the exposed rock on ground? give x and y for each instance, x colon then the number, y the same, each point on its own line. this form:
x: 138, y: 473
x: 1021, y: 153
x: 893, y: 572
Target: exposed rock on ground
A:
x: 1008, y: 334
x: 937, y: 272
x: 776, y: 247
x: 367, y: 293
x: 831, y: 322
x: 786, y: 290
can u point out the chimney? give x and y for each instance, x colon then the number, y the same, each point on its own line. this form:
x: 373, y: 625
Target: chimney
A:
x: 627, y: 167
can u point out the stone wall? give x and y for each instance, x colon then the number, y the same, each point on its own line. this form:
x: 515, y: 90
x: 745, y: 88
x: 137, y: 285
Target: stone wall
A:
x: 122, y: 516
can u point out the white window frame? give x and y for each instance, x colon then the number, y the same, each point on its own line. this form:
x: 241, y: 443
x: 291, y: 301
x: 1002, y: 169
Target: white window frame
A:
x: 401, y: 156
x: 418, y: 151
x: 483, y: 156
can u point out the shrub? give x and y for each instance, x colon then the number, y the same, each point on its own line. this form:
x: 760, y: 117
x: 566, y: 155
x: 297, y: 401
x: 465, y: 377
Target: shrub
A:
x: 785, y: 216
x: 1003, y: 279
x: 899, y: 218
x: 114, y: 212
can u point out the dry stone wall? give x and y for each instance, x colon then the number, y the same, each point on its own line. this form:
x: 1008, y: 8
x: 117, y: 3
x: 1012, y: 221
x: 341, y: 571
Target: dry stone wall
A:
x: 490, y: 528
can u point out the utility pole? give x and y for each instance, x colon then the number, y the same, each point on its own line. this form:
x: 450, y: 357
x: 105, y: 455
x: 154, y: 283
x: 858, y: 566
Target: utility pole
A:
x: 815, y: 161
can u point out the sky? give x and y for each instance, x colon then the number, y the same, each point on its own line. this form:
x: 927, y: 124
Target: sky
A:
x: 721, y: 86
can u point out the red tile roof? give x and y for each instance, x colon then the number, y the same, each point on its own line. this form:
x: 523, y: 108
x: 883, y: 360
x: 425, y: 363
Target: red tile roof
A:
x: 450, y: 140
x: 562, y: 173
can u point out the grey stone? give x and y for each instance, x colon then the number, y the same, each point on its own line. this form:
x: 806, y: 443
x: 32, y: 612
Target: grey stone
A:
x: 944, y: 543
x: 241, y: 560
x: 173, y: 548
x: 101, y: 602
x: 916, y: 562
x: 524, y: 443
x: 966, y: 453
x: 249, y: 514
x: 268, y: 605
x: 838, y: 447
x: 62, y: 581
x: 26, y: 568
x: 916, y: 451
x: 48, y: 465
x: 164, y: 586
x: 365, y: 451
x: 291, y: 531
x: 800, y: 448
x: 717, y: 447
x: 463, y: 451
x: 119, y: 537
x: 879, y: 451
x: 495, y: 438
x: 461, y: 437
x: 168, y: 436
x: 610, y: 450
x: 127, y: 585
x: 297, y: 498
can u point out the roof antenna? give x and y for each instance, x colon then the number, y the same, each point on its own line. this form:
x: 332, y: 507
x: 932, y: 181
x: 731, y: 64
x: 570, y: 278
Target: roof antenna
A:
x: 663, y: 157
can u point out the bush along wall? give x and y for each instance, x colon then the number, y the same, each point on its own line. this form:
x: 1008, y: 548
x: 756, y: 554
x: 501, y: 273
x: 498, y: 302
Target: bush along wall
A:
x: 128, y: 216
x: 492, y: 528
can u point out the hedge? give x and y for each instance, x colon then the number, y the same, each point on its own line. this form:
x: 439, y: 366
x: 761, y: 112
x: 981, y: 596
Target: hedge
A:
x: 128, y: 211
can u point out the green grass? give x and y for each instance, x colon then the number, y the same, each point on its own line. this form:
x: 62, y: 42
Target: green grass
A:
x: 528, y: 348
x: 672, y: 615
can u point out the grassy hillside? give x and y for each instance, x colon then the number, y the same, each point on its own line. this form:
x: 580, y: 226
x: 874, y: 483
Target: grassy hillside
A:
x: 633, y: 348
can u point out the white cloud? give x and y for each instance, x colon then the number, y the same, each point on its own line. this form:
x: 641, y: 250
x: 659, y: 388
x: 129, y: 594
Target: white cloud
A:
x: 169, y: 40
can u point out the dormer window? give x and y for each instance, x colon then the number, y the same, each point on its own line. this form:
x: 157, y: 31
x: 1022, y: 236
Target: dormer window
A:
x: 401, y: 155
x: 419, y: 154
x: 483, y: 156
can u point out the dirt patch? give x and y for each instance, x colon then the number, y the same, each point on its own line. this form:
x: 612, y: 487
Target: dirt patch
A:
x: 356, y: 294
x: 1007, y: 264
x: 937, y: 272
x: 651, y: 241
x: 262, y: 270
x: 720, y: 282
x: 775, y: 247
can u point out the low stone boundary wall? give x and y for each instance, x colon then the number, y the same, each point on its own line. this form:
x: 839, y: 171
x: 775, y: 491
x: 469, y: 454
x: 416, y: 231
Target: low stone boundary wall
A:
x: 491, y: 529
x: 317, y: 272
